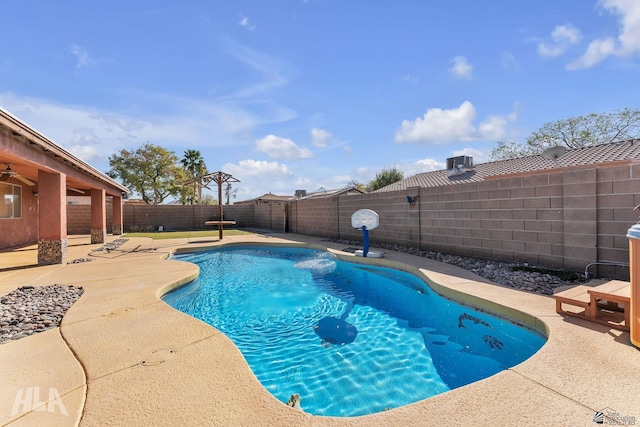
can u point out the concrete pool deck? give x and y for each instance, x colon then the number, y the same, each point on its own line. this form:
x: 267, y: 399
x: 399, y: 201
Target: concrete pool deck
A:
x: 123, y: 357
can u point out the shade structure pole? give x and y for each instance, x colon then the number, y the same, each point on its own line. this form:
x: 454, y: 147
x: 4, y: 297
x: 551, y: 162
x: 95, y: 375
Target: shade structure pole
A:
x: 220, y: 217
x: 219, y: 178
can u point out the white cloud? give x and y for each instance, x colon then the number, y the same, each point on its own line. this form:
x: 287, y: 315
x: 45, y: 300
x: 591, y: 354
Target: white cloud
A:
x: 82, y: 57
x: 93, y: 134
x: 282, y: 148
x: 273, y: 71
x: 410, y: 78
x: 424, y: 165
x: 628, y: 40
x: 320, y: 137
x: 564, y: 36
x: 340, y: 181
x: 258, y: 168
x: 303, y: 182
x: 629, y: 15
x: 259, y: 177
x: 427, y: 165
x: 244, y: 22
x: 348, y: 150
x: 510, y: 62
x: 597, y: 51
x: 461, y: 68
x: 439, y: 126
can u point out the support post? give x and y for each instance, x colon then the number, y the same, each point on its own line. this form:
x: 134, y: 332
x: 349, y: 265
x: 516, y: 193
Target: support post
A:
x: 117, y: 226
x: 98, y: 216
x: 52, y: 218
x: 365, y: 236
x: 220, y: 214
x: 634, y: 266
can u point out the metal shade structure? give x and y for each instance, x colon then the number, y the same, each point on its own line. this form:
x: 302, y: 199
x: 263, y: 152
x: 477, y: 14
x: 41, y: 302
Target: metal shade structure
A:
x: 219, y: 178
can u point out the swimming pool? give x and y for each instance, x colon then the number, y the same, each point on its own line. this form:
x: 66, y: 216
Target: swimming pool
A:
x: 351, y: 339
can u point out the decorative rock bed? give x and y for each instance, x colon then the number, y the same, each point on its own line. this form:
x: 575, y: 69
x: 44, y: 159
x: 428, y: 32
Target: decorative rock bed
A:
x: 32, y: 309
x: 115, y: 244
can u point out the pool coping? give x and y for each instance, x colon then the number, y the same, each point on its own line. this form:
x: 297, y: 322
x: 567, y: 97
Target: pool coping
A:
x: 122, y: 356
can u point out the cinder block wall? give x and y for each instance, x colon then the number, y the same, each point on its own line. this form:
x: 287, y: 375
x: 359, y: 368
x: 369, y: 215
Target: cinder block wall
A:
x: 79, y: 219
x: 566, y: 219
x: 271, y: 216
x: 171, y: 217
x: 316, y: 217
x: 184, y: 217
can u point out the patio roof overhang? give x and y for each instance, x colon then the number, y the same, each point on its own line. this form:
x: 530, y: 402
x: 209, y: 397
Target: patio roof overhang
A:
x: 28, y: 151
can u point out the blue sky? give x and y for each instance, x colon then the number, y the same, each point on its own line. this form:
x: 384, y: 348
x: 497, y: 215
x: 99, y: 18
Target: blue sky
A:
x: 304, y: 94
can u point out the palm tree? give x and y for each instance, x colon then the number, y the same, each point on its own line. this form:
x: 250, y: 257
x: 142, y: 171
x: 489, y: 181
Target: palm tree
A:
x: 194, y: 165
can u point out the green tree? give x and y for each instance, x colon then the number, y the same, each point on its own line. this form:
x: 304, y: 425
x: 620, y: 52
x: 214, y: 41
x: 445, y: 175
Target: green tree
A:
x: 384, y: 178
x: 151, y: 171
x: 355, y: 184
x: 208, y: 199
x: 574, y: 132
x: 186, y: 195
x: 195, y: 167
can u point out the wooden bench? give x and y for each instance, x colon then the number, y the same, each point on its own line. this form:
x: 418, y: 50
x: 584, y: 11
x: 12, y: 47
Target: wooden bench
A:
x: 577, y: 296
x: 616, y: 293
x: 590, y: 305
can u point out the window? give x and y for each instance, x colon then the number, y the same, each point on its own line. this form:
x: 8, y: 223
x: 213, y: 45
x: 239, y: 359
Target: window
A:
x: 10, y: 201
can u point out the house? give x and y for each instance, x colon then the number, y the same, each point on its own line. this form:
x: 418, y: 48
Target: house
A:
x: 36, y: 177
x: 461, y: 169
x: 265, y: 198
x: 321, y: 193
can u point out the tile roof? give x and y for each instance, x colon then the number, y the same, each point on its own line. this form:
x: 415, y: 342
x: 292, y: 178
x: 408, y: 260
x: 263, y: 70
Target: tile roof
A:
x: 265, y: 198
x: 329, y: 193
x: 22, y: 132
x: 591, y: 155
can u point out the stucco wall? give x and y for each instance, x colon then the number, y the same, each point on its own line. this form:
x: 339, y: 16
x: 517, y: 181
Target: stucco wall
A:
x: 24, y: 230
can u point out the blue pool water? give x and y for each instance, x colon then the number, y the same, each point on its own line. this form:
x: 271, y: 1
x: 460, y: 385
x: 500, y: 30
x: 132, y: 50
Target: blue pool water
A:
x: 351, y: 339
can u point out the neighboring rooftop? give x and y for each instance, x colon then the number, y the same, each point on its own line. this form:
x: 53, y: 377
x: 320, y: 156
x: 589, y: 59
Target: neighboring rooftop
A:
x: 595, y: 154
x: 265, y: 198
x: 347, y: 191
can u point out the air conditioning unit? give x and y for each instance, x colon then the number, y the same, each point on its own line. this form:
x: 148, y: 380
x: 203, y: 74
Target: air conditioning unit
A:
x: 459, y: 162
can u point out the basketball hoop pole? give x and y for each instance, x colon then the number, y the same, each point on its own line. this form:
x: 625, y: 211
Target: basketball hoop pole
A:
x: 365, y: 237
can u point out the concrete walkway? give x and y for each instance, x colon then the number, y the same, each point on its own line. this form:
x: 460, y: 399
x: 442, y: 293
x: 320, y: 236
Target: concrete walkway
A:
x: 124, y: 357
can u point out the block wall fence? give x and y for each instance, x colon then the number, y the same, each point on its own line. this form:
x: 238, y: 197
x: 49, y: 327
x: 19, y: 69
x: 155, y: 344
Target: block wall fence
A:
x: 170, y: 217
x: 565, y: 219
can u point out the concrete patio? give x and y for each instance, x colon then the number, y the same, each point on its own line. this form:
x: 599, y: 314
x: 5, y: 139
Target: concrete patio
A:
x: 124, y: 357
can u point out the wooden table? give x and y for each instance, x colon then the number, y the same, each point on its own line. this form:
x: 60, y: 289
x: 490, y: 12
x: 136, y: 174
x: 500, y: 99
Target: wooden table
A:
x: 220, y: 225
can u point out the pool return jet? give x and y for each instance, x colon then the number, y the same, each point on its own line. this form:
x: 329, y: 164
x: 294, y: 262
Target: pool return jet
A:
x: 366, y: 219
